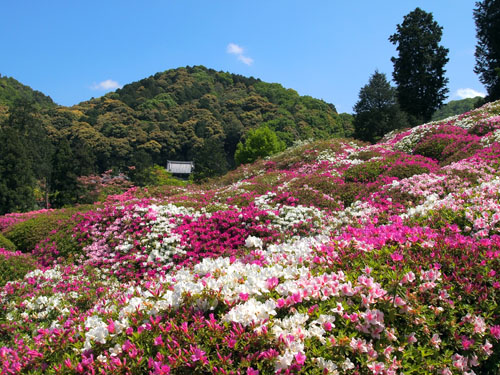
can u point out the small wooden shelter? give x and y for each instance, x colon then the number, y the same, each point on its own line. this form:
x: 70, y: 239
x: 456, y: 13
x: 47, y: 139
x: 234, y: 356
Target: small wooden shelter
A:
x: 180, y: 167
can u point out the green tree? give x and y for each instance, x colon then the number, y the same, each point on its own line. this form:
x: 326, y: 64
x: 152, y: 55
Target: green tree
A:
x: 377, y: 111
x: 16, y: 175
x: 64, y: 183
x: 419, y: 68
x: 456, y: 107
x: 487, y: 18
x: 23, y: 118
x: 259, y: 143
x: 210, y: 159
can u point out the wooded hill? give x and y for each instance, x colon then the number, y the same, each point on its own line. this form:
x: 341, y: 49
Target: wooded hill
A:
x: 191, y: 113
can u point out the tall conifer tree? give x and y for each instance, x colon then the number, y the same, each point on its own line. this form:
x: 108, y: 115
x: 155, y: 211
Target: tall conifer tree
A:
x: 377, y: 111
x: 419, y: 68
x: 487, y: 18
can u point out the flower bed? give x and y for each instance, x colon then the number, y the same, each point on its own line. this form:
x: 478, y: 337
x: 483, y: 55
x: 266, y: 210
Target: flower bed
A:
x: 354, y: 259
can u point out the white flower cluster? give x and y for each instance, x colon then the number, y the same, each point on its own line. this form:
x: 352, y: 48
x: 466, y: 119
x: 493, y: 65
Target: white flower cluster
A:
x: 407, y: 143
x: 492, y: 138
x: 358, y: 212
x: 50, y: 275
x: 41, y: 306
x: 251, y: 311
x: 287, y: 216
x: 166, y: 220
x: 284, y: 329
x: 340, y: 158
x: 97, y: 331
x: 432, y: 201
x: 254, y: 242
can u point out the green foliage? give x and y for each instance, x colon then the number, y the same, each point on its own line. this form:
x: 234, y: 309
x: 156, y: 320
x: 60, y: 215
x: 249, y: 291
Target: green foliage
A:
x: 365, y: 172
x: 210, y: 159
x: 12, y: 90
x: 487, y: 18
x: 405, y: 170
x: 377, y: 110
x: 64, y: 183
x: 14, y: 266
x: 456, y: 107
x: 259, y: 143
x: 16, y: 175
x: 6, y: 243
x: 26, y: 154
x: 27, y: 234
x: 160, y: 177
x: 191, y: 113
x: 419, y: 67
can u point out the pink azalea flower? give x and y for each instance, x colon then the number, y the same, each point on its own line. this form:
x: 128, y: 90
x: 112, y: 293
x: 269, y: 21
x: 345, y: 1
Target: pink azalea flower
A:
x: 300, y: 358
x: 412, y: 339
x: 466, y: 342
x: 272, y: 282
x: 396, y: 257
x: 487, y: 347
x: 495, y: 331
x: 376, y: 367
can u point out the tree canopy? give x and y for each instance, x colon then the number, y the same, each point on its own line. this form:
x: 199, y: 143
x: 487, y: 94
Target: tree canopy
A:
x: 377, y: 111
x: 487, y: 18
x: 456, y: 107
x: 259, y: 143
x: 419, y: 67
x: 192, y: 113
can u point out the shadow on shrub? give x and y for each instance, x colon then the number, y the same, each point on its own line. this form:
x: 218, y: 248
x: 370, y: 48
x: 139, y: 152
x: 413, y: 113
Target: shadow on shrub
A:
x: 14, y: 265
x: 6, y: 243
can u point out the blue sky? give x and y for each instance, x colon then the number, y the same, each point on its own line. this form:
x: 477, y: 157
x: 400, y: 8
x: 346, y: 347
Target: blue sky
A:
x: 75, y: 50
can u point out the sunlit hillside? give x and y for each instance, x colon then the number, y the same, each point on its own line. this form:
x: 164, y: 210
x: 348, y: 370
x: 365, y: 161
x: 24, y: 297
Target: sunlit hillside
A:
x: 333, y: 257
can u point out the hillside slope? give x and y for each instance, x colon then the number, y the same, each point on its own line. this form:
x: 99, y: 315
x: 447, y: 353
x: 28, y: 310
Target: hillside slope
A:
x: 333, y: 257
x: 456, y: 107
x: 12, y: 90
x: 189, y: 113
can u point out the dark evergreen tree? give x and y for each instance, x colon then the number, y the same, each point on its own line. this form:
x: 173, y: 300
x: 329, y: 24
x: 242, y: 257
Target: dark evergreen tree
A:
x: 487, y: 18
x: 377, y: 111
x: 16, y: 175
x: 64, y: 183
x: 419, y: 68
x: 39, y: 149
x: 140, y: 170
x: 210, y: 159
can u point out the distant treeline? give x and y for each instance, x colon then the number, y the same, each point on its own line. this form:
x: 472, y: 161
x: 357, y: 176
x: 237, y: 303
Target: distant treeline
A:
x: 191, y: 113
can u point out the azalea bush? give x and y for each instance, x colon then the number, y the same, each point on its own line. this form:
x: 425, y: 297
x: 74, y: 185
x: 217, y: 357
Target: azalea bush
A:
x: 6, y: 243
x: 333, y: 257
x: 14, y: 265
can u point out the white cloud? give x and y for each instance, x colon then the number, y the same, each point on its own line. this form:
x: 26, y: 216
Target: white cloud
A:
x: 234, y: 49
x: 237, y: 50
x: 245, y: 59
x: 108, y: 84
x: 468, y: 93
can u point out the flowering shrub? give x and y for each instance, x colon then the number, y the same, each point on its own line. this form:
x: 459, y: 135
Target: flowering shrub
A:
x: 333, y: 257
x: 95, y: 188
x: 6, y: 244
x: 14, y: 265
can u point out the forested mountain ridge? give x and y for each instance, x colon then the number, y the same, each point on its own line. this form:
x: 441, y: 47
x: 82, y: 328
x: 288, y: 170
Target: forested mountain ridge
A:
x: 12, y: 90
x: 457, y: 107
x: 190, y: 113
